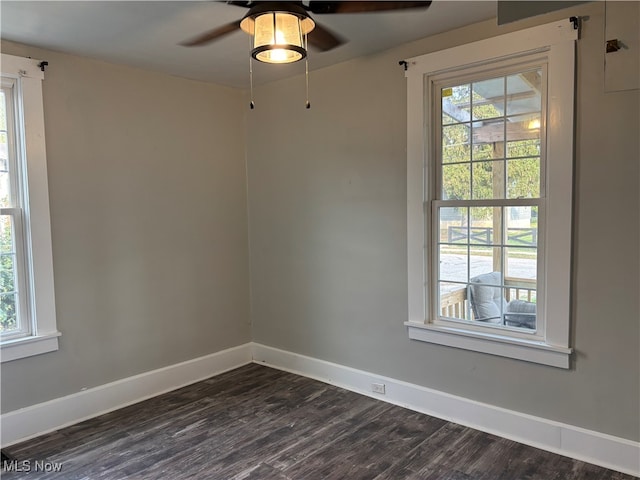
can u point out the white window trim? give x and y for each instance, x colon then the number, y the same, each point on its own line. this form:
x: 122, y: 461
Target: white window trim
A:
x: 558, y: 41
x: 44, y: 337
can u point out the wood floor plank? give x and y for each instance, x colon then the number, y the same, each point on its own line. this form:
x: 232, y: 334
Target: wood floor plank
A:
x: 260, y: 423
x: 393, y: 432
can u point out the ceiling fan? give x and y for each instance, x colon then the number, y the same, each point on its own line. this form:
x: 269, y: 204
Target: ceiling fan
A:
x: 317, y: 36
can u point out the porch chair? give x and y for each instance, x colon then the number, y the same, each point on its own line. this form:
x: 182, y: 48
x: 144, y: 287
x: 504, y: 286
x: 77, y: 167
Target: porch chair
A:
x: 489, y: 305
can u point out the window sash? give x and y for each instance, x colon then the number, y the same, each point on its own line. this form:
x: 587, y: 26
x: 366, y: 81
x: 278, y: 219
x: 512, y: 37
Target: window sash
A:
x: 434, y: 84
x: 433, y: 312
x: 24, y: 325
x: 15, y: 210
x: 434, y: 87
x: 10, y: 88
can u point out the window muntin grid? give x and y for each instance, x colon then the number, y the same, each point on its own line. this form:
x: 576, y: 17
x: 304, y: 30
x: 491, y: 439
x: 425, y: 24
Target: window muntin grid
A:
x: 489, y: 187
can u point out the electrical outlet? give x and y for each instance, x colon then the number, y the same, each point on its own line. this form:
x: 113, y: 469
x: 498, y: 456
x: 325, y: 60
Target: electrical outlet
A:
x: 378, y: 388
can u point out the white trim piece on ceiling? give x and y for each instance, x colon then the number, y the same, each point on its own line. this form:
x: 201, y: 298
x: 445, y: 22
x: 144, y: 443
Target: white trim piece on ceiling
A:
x: 527, y: 40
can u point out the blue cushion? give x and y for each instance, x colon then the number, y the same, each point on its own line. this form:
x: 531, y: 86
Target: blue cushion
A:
x: 486, y: 297
x: 521, y: 314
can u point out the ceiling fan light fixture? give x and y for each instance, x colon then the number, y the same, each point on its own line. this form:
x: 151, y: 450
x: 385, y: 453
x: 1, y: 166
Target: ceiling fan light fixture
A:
x: 278, y: 35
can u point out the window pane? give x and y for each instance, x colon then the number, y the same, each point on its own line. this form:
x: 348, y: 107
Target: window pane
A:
x: 456, y: 181
x: 486, y: 151
x: 486, y: 297
x: 453, y: 225
x: 3, y: 111
x: 523, y: 92
x: 7, y: 245
x: 8, y: 314
x: 453, y: 302
x: 484, y: 260
x: 524, y: 127
x: 488, y: 99
x: 488, y: 180
x: 5, y: 183
x: 488, y: 140
x: 455, y: 104
x: 522, y: 226
x: 521, y: 265
x: 523, y: 148
x: 5, y: 189
x: 523, y: 178
x: 521, y: 291
x: 448, y: 119
x: 455, y: 143
x: 485, y: 225
x: 454, y: 263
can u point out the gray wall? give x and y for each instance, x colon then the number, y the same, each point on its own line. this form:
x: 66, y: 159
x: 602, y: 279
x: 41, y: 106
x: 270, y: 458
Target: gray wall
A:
x: 510, y: 11
x: 147, y: 184
x: 327, y: 209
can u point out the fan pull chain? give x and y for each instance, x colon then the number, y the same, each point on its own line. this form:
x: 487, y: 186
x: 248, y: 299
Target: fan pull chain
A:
x: 306, y: 70
x: 251, y: 104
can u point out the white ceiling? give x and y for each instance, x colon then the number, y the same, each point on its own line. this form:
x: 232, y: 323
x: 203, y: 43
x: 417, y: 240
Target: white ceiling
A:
x: 147, y: 34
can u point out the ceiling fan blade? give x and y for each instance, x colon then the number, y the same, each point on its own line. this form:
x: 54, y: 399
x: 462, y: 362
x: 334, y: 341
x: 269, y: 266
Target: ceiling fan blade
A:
x: 212, y: 35
x: 245, y: 4
x: 359, y: 6
x: 324, y: 39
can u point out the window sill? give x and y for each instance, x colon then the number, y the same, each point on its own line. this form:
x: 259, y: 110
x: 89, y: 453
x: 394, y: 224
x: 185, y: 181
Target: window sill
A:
x: 28, y: 346
x: 503, y: 346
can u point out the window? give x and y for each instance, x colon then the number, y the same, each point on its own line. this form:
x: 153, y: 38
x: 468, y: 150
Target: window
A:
x: 490, y: 155
x: 27, y: 308
x: 487, y: 199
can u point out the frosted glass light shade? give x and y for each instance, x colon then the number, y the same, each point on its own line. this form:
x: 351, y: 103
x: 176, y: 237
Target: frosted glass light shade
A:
x: 278, y: 36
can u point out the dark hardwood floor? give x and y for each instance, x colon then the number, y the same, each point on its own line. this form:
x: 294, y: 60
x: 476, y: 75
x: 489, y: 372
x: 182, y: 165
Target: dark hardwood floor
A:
x: 259, y: 423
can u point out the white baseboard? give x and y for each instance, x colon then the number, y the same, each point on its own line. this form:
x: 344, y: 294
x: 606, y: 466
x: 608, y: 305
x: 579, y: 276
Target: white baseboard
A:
x: 587, y: 445
x: 45, y: 417
x: 575, y: 442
